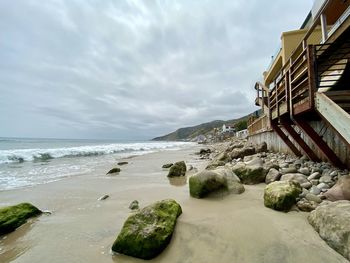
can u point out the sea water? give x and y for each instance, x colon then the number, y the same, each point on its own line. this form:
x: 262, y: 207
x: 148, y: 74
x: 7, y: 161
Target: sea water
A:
x: 27, y: 162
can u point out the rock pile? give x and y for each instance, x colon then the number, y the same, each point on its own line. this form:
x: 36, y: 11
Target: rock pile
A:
x: 253, y: 164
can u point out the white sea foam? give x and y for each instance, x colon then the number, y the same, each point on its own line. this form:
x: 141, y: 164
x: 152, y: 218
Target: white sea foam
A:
x: 24, y: 155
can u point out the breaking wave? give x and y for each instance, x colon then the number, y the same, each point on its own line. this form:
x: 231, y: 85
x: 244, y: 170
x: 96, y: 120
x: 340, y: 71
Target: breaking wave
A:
x: 42, y: 155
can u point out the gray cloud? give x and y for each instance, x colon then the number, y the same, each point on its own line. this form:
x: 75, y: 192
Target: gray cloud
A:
x: 133, y: 69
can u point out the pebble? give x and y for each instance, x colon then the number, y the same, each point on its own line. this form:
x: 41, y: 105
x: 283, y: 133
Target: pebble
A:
x: 323, y: 186
x: 314, y: 198
x: 314, y: 175
x: 314, y: 190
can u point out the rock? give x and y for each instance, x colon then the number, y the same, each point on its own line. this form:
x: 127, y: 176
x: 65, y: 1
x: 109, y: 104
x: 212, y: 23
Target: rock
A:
x: 262, y: 147
x: 341, y: 190
x: 314, y: 182
x: 323, y: 186
x: 204, y: 151
x: 256, y: 161
x: 224, y: 157
x: 215, y: 164
x: 314, y: 190
x: 114, y: 170
x: 272, y: 176
x: 122, y: 163
x: 289, y: 170
x: 281, y: 195
x: 190, y: 167
x: 331, y: 221
x: 305, y: 171
x: 146, y: 233
x: 213, y: 181
x: 167, y: 165
x: 235, y: 187
x: 104, y: 197
x: 240, y: 153
x: 333, y: 174
x: 306, y: 206
x: 250, y: 174
x: 12, y: 217
x: 303, y: 193
x: 177, y: 169
x: 306, y: 185
x: 314, y: 198
x: 134, y: 205
x: 314, y: 175
x: 326, y: 179
x: 300, y: 178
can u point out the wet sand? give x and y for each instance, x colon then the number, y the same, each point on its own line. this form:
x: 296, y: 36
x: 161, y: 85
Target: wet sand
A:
x: 236, y: 228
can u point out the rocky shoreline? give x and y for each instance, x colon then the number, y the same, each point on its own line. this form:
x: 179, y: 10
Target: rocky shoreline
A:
x: 293, y: 184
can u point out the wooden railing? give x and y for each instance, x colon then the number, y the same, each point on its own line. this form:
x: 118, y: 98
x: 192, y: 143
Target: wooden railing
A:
x: 294, y: 85
x: 260, y: 124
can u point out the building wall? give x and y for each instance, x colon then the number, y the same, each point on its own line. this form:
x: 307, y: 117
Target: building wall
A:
x: 275, y: 143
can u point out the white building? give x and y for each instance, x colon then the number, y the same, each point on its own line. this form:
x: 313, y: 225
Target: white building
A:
x: 227, y: 129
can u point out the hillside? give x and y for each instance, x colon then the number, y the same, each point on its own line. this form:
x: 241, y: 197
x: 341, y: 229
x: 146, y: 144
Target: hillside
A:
x: 188, y: 133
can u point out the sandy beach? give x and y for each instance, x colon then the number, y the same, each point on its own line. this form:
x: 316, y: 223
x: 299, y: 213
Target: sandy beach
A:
x: 235, y: 228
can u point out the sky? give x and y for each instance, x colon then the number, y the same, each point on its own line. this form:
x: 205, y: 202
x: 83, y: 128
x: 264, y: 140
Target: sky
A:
x: 132, y: 69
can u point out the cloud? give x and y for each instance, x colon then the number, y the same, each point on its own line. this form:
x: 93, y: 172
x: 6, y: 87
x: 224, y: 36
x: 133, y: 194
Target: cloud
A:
x: 133, y: 69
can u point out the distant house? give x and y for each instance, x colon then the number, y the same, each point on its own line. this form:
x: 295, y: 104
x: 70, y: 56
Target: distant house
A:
x: 228, y: 129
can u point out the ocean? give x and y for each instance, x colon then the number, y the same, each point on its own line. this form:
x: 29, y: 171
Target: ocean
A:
x: 28, y: 162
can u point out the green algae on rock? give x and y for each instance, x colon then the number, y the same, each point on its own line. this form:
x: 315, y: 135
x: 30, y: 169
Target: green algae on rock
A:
x: 12, y: 217
x: 114, y: 170
x: 206, y: 182
x: 221, y: 180
x: 146, y: 233
x: 281, y: 195
x: 177, y: 169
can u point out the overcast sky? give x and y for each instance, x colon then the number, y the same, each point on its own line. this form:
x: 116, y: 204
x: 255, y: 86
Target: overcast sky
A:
x: 133, y: 69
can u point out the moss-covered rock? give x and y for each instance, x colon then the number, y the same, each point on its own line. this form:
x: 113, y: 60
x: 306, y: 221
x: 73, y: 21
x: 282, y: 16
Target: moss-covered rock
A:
x: 12, y: 217
x: 177, y: 169
x: 219, y: 181
x: 281, y: 195
x: 146, y: 233
x: 206, y: 182
x: 114, y: 170
x: 167, y: 165
x: 250, y: 174
x: 122, y: 163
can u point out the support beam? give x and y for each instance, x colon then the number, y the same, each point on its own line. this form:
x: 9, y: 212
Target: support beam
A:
x: 296, y: 137
x: 334, y: 115
x: 285, y: 139
x: 319, y: 142
x: 324, y: 28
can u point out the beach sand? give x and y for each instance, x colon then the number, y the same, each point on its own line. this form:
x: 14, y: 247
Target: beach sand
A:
x: 235, y: 228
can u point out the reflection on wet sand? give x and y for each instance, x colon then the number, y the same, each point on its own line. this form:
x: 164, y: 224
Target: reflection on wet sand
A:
x: 12, y: 245
x: 178, y: 181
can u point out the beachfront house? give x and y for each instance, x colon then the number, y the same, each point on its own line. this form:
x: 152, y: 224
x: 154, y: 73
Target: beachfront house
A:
x: 304, y: 94
x: 227, y: 129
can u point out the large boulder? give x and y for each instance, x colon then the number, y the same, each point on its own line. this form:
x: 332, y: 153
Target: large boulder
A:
x: 296, y: 177
x: 252, y: 172
x: 332, y: 221
x: 341, y: 190
x: 221, y: 180
x: 240, y: 153
x: 12, y: 217
x: 281, y: 195
x: 272, y: 176
x: 177, y: 169
x: 146, y: 233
